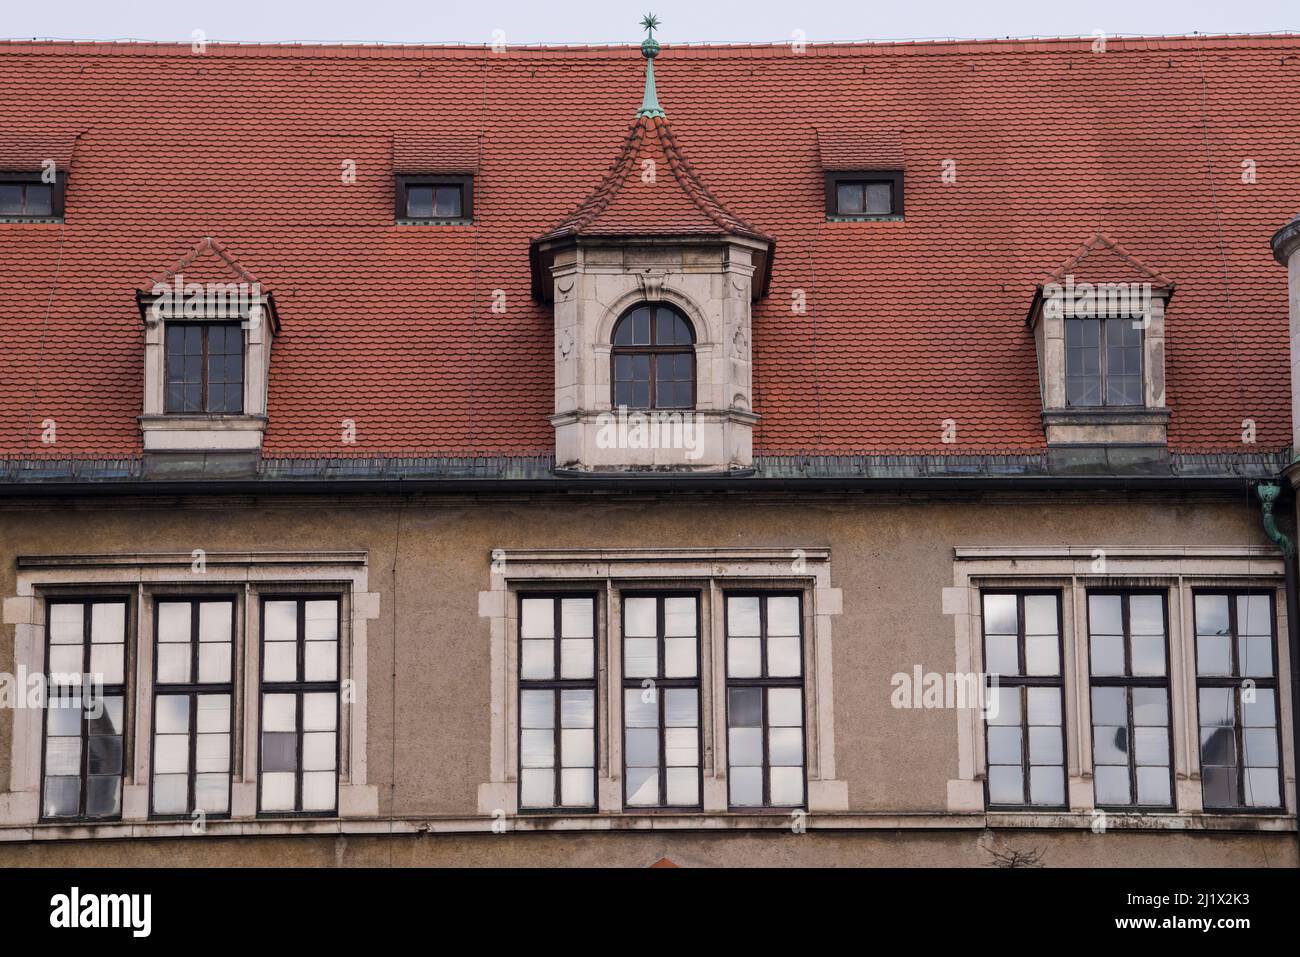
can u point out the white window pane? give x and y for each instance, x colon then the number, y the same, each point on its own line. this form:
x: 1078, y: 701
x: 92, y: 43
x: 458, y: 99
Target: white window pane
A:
x: 783, y: 615
x: 746, y: 786
x: 67, y: 660
x: 537, y: 709
x: 537, y: 659
x: 172, y: 714
x: 321, y: 660
x: 1040, y: 615
x: 173, y: 621
x: 742, y: 616
x: 642, y: 787
x: 679, y: 657
x: 1151, y: 746
x: 63, y: 756
x: 214, y: 620
x: 577, y: 709
x: 576, y: 658
x: 171, y: 754
x: 1148, y: 655
x: 683, y: 787
x: 66, y: 624
x: 171, y: 793
x: 783, y: 657
x: 537, y: 788
x: 279, y: 712
x: 1006, y: 785
x: 743, y: 659
x: 214, y: 662
x: 1003, y: 706
x: 639, y: 617
x: 214, y: 713
x: 681, y: 708
x: 1261, y: 787
x: 280, y: 661
x: 1000, y: 615
x: 577, y: 748
x: 577, y: 618
x: 1106, y: 614
x: 577, y: 787
x: 318, y: 790
x: 1153, y: 786
x: 681, y: 747
x: 1044, y: 705
x: 679, y: 616
x: 212, y: 793
x: 1004, y: 746
x: 640, y: 708
x: 277, y: 791
x: 745, y: 747
x: 280, y: 621
x: 1046, y: 785
x: 108, y: 662
x: 212, y: 753
x: 321, y: 621
x: 1146, y: 615
x: 1260, y: 746
x: 537, y: 618
x: 787, y: 786
x: 640, y: 657
x: 1254, y: 615
x: 108, y: 623
x: 537, y: 748
x: 1045, y: 746
x: 318, y: 751
x: 1112, y: 784
x: 1256, y: 656
x: 784, y: 708
x: 319, y: 711
x: 174, y: 664
x: 1001, y: 655
x: 63, y: 716
x: 1042, y: 655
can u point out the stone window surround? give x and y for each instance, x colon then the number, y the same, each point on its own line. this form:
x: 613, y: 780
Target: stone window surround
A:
x: 145, y: 577
x: 713, y: 571
x: 1063, y: 424
x: 206, y: 432
x: 1176, y: 569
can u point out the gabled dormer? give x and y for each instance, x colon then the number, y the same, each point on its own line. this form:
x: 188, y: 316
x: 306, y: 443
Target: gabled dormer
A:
x: 208, y: 328
x: 652, y: 278
x: 1099, y: 331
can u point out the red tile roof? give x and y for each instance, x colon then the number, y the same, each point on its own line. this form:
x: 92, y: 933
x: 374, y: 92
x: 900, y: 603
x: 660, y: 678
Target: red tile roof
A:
x: 907, y: 323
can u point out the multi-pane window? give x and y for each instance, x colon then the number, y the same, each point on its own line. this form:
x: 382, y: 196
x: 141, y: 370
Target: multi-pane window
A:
x: 27, y: 199
x: 654, y: 359
x: 765, y: 704
x: 435, y: 198
x: 298, y: 757
x: 1128, y: 651
x: 193, y: 689
x: 1103, y: 362
x: 557, y: 702
x: 1236, y: 678
x: 1025, y: 734
x: 205, y: 367
x: 864, y: 194
x: 661, y: 700
x: 85, y: 656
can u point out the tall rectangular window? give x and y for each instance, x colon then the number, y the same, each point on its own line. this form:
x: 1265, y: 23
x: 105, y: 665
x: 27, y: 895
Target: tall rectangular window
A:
x: 557, y: 702
x: 1129, y: 655
x: 661, y: 700
x: 298, y: 759
x: 193, y: 689
x: 85, y: 655
x: 1103, y: 362
x: 765, y: 703
x: 1236, y: 680
x: 205, y: 368
x: 1025, y: 733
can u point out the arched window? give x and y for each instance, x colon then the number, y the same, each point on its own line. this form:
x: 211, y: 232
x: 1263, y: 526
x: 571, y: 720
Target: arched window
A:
x: 653, y: 359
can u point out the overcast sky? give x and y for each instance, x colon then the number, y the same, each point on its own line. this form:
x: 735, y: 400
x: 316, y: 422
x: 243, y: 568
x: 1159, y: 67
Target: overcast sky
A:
x: 615, y: 21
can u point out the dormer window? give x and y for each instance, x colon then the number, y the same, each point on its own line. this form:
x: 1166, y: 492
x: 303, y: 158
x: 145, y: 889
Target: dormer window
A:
x: 26, y: 196
x: 435, y: 199
x: 864, y: 195
x: 1103, y: 362
x: 205, y: 368
x: 653, y: 359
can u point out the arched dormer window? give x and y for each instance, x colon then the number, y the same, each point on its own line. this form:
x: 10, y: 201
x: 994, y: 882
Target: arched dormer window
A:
x: 653, y: 359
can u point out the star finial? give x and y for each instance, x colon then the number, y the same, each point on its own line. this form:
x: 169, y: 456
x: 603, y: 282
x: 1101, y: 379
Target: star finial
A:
x: 649, y: 23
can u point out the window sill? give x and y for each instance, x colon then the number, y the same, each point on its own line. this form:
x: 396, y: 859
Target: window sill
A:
x: 1106, y: 425
x: 867, y: 218
x: 202, y: 432
x: 434, y: 222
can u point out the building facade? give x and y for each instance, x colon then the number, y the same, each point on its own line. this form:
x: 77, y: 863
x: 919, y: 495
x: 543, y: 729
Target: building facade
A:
x: 851, y: 455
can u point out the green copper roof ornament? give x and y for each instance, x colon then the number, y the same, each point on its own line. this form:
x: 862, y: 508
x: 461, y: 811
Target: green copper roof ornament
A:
x: 650, y: 49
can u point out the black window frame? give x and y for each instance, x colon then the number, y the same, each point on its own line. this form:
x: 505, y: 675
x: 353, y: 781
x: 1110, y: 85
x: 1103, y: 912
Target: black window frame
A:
x: 1128, y: 681
x: 1022, y: 682
x: 122, y: 690
x: 192, y: 689
x: 654, y: 350
x: 1233, y: 682
x: 205, y: 328
x: 833, y: 179
x: 557, y: 684
x: 299, y: 689
x: 765, y: 681
x: 404, y: 182
x: 58, y: 195
x: 1103, y: 363
x: 661, y: 684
